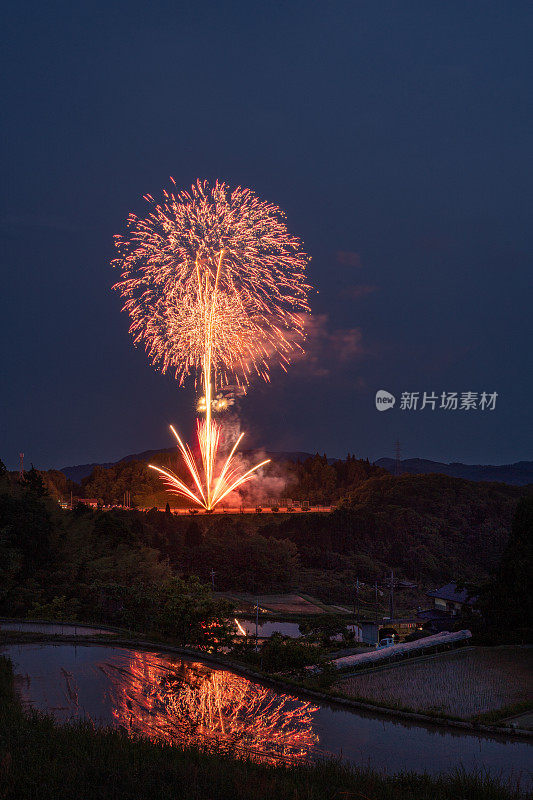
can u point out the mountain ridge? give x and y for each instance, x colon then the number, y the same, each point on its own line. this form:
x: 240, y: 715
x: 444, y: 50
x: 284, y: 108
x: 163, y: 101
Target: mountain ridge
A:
x: 79, y: 471
x: 519, y: 473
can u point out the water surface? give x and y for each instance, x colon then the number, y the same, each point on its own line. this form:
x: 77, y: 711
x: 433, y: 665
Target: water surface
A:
x: 266, y: 629
x: 290, y: 629
x: 53, y: 628
x: 185, y: 700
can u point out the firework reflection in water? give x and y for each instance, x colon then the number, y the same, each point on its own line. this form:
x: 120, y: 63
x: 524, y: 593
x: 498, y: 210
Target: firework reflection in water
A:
x: 192, y: 704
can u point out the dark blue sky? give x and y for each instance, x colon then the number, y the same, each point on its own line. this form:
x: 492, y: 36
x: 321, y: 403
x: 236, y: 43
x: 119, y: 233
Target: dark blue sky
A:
x: 397, y: 138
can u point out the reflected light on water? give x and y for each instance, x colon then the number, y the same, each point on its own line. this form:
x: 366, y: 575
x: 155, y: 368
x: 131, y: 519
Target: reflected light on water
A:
x: 190, y: 703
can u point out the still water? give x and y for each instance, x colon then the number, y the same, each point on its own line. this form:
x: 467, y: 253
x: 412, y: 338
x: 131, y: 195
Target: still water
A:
x: 54, y: 628
x: 290, y: 629
x: 266, y: 629
x: 177, y: 699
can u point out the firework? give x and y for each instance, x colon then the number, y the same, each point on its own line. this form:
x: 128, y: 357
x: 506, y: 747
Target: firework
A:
x: 215, y: 287
x: 191, y: 704
x: 218, y: 404
x: 213, y: 283
x: 211, y: 492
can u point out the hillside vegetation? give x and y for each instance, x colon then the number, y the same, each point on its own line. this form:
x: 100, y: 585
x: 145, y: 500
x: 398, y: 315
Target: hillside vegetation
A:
x: 429, y: 529
x: 313, y: 479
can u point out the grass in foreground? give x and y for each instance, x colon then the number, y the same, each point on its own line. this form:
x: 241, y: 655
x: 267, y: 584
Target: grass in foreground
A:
x: 42, y: 760
x: 475, y: 683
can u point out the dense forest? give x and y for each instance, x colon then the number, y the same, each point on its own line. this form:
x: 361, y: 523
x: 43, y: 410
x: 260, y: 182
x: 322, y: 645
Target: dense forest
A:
x: 95, y: 567
x: 427, y: 528
x: 314, y: 479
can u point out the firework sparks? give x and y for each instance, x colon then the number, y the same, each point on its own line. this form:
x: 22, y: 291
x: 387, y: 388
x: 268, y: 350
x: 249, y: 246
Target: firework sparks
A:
x: 229, y: 478
x: 191, y: 704
x: 218, y: 404
x: 213, y: 273
x: 214, y: 286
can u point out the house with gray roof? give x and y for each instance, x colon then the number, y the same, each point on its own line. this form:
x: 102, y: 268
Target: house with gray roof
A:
x: 450, y: 599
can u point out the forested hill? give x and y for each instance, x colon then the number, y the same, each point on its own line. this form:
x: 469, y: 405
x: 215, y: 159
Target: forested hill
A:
x: 518, y: 474
x: 426, y: 527
x: 80, y: 471
x: 298, y: 476
x: 430, y: 529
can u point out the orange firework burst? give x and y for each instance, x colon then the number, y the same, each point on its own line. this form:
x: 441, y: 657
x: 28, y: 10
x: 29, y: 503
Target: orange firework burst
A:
x: 215, y: 271
x: 214, y: 285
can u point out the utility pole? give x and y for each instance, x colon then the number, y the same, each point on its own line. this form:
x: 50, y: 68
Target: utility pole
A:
x: 21, y: 465
x: 356, y: 599
x: 391, y: 595
x: 213, y: 573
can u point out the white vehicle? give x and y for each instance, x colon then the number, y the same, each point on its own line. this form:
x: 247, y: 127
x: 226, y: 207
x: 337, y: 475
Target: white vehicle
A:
x: 387, y: 642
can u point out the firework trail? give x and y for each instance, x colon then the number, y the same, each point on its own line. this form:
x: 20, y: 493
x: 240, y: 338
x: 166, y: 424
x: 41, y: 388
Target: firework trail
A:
x: 215, y: 288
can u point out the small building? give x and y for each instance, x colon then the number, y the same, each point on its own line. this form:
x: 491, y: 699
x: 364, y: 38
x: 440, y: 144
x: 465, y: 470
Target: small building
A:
x: 399, y: 627
x: 92, y: 502
x: 435, y: 620
x: 450, y: 600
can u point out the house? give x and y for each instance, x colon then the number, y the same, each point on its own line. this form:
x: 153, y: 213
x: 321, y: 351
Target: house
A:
x: 92, y: 502
x: 371, y: 631
x: 450, y: 600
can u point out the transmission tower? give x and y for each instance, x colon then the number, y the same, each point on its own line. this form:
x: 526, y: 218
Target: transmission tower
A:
x: 397, y: 457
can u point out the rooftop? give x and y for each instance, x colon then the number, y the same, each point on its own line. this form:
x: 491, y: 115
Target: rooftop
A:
x: 449, y: 592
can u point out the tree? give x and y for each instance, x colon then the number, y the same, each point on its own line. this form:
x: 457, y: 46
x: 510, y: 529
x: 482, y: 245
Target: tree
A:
x: 248, y: 562
x: 515, y: 573
x: 33, y: 483
x: 324, y: 628
x: 188, y: 612
x: 26, y: 521
x: 506, y: 601
x: 193, y: 536
x: 281, y: 653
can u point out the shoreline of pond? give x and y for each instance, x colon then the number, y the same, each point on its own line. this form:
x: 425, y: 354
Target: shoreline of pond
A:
x: 286, y: 685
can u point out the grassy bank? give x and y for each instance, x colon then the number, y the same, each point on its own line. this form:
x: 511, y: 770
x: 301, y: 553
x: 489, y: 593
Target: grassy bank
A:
x: 43, y: 760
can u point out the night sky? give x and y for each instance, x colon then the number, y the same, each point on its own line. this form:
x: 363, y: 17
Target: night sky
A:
x: 395, y: 135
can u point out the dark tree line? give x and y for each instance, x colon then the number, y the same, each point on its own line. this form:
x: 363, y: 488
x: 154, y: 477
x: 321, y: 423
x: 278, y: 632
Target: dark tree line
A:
x: 314, y: 479
x: 96, y: 567
x: 319, y: 481
x: 427, y: 528
x: 506, y: 599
